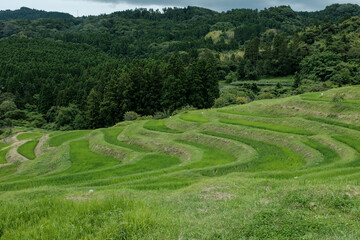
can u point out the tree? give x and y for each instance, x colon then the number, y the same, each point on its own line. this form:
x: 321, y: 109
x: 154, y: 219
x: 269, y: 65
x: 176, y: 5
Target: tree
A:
x: 252, y: 50
x: 93, y: 109
x: 110, y: 107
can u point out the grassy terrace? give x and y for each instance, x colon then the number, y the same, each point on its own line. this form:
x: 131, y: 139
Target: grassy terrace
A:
x: 265, y: 170
x: 28, y: 149
x: 159, y: 126
x: 267, y: 126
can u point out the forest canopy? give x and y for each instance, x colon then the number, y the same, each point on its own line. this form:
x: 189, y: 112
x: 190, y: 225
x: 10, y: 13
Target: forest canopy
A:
x: 61, y: 72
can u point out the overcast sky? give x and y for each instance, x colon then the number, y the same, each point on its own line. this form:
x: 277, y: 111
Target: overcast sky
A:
x: 96, y: 7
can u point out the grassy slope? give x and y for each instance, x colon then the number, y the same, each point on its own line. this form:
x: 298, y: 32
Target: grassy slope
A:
x: 272, y: 169
x: 28, y: 149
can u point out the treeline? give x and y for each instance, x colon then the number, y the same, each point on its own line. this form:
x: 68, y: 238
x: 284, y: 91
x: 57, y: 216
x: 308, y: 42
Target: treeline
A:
x: 76, y: 86
x: 31, y: 14
x: 89, y: 72
x: 324, y: 52
x: 143, y: 33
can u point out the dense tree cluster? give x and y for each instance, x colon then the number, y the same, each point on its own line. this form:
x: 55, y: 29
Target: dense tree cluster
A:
x: 71, y: 73
x: 78, y: 86
x: 327, y: 52
x: 31, y: 14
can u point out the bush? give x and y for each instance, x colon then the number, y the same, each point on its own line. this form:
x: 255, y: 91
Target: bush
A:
x: 242, y: 100
x: 131, y: 116
x: 149, y: 117
x: 7, y: 106
x: 184, y: 109
x: 266, y: 95
x: 161, y: 115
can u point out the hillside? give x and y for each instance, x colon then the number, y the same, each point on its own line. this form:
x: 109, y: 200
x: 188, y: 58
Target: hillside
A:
x: 280, y: 169
x: 31, y: 14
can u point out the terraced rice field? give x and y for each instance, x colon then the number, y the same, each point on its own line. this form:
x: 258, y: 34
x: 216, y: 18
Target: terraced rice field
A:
x: 272, y: 169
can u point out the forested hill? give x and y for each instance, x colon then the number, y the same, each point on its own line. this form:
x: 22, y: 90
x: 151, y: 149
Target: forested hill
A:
x: 31, y: 14
x: 89, y: 72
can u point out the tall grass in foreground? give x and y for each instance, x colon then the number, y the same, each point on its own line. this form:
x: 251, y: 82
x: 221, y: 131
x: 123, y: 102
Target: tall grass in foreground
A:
x: 267, y: 126
x: 116, y: 217
x: 28, y: 149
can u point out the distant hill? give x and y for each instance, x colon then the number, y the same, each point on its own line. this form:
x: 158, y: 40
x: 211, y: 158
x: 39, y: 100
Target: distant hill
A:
x: 32, y: 14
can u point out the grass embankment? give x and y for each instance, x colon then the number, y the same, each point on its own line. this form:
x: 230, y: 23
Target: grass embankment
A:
x: 267, y: 126
x: 27, y: 136
x: 335, y: 123
x: 111, y: 136
x: 248, y: 114
x: 28, y: 149
x: 159, y: 126
x: 194, y: 118
x: 4, y: 145
x: 3, y: 155
x: 58, y: 140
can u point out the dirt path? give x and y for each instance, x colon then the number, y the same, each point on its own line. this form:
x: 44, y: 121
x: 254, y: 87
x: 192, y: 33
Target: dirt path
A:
x: 39, y: 147
x: 13, y: 155
x: 5, y: 165
x: 12, y: 139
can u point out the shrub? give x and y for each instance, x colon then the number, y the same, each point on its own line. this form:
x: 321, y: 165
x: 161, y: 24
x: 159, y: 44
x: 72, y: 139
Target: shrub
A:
x: 7, y: 106
x: 266, y: 95
x: 184, y: 109
x: 149, y: 117
x: 162, y: 115
x: 242, y: 100
x: 131, y: 116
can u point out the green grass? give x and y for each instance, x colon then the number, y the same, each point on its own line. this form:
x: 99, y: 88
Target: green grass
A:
x: 329, y: 154
x: 159, y: 126
x: 336, y: 123
x: 248, y: 114
x: 352, y: 142
x: 3, y: 145
x: 318, y: 98
x: 211, y: 156
x: 3, y: 156
x: 82, y: 159
x: 67, y: 136
x: 27, y: 136
x: 8, y: 170
x: 267, y: 126
x: 111, y: 136
x: 197, y: 185
x: 269, y: 156
x: 194, y: 118
x: 28, y: 149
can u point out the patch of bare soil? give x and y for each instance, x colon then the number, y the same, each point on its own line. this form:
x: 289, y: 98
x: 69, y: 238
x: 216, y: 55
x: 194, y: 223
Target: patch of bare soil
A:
x: 39, y: 147
x: 218, y: 196
x: 13, y: 155
x: 5, y: 164
x: 12, y: 138
x: 82, y: 197
x: 211, y: 195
